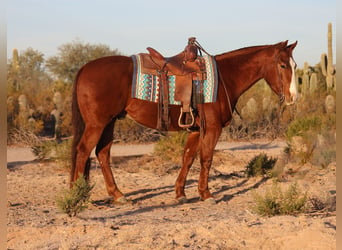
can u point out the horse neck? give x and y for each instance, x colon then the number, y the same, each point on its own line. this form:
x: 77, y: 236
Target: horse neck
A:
x: 241, y: 69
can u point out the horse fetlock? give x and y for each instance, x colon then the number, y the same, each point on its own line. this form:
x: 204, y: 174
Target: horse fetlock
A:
x: 122, y: 201
x: 205, y: 195
x: 182, y: 200
x: 210, y: 200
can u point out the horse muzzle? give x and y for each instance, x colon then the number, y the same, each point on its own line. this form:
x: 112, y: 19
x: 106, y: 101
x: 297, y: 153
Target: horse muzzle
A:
x: 291, y: 99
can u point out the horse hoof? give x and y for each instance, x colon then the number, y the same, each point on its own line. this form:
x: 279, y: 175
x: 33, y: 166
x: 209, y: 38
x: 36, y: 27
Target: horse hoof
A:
x: 122, y: 201
x: 182, y: 200
x: 210, y: 201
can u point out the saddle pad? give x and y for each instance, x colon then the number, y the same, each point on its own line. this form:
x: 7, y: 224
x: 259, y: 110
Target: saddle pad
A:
x: 146, y: 86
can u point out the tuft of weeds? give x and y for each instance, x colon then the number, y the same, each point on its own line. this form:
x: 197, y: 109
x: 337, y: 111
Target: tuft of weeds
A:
x: 22, y: 137
x: 277, y: 202
x: 301, y: 126
x: 260, y: 165
x: 171, y: 147
x: 63, y: 154
x: 325, y: 203
x: 43, y: 150
x: 75, y: 200
x: 52, y: 150
x: 311, y: 138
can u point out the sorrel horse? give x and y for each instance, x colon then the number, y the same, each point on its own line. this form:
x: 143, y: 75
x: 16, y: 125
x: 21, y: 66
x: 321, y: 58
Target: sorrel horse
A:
x: 102, y: 94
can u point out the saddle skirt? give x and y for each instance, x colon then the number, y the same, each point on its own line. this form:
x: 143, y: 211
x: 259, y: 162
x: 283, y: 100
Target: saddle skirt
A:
x: 146, y: 81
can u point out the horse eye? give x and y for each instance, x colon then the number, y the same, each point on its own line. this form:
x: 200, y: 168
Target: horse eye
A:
x: 283, y: 66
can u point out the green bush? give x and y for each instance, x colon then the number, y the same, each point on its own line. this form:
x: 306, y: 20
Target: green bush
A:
x: 51, y: 150
x: 127, y: 130
x: 312, y: 139
x: 276, y: 202
x: 260, y: 165
x: 171, y: 147
x: 43, y: 150
x: 301, y: 126
x: 63, y: 153
x: 75, y: 200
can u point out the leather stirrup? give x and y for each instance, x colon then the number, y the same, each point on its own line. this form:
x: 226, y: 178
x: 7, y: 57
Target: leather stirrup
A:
x: 180, y: 124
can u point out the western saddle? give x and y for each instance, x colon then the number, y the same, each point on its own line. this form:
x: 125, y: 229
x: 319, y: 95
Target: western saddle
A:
x: 186, y: 66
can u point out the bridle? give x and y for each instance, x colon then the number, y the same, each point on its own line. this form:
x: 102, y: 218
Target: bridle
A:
x: 281, y: 95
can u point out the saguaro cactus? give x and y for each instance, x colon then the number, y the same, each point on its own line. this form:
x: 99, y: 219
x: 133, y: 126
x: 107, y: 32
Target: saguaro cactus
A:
x: 305, y: 80
x: 15, y: 66
x: 15, y: 60
x: 328, y: 69
x: 330, y: 104
x: 58, y: 101
x: 313, y: 82
x: 23, y: 111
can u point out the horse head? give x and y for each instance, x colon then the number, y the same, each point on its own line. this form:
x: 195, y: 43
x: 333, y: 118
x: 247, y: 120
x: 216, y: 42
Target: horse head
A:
x: 281, y: 73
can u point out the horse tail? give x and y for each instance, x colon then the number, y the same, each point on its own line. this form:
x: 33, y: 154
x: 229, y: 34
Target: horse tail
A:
x: 78, y: 127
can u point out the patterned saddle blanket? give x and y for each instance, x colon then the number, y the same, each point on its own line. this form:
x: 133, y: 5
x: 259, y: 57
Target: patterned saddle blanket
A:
x: 146, y: 85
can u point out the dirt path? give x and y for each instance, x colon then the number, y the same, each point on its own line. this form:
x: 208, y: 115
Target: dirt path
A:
x: 154, y: 220
x: 24, y: 154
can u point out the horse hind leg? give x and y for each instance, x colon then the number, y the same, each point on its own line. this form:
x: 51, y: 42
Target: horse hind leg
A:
x: 84, y: 147
x: 103, y: 156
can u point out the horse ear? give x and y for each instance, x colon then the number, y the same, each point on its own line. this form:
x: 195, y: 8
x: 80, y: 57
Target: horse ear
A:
x: 281, y: 45
x: 292, y: 46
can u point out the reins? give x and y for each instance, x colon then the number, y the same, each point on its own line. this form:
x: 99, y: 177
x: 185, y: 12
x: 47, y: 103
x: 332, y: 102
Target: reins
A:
x: 281, y: 97
x: 198, y: 45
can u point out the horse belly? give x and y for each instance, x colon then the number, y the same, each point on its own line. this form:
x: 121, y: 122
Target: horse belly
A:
x: 146, y: 113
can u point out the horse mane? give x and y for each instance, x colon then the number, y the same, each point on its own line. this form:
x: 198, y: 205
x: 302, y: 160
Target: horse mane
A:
x: 243, y: 51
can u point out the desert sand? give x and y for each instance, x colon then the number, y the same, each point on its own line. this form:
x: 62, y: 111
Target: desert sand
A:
x: 154, y: 220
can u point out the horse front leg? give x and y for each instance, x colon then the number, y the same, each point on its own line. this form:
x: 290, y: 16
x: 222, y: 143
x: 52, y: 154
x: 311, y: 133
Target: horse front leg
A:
x: 207, y: 148
x: 190, y: 151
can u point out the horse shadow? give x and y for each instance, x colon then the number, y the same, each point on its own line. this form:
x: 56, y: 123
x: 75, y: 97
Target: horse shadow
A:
x: 15, y: 165
x: 153, y: 192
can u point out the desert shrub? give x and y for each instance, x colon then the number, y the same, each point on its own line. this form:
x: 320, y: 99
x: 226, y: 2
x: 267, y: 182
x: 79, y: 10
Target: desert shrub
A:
x: 302, y: 126
x: 52, y: 150
x: 311, y: 138
x: 63, y: 153
x: 326, y: 156
x: 322, y: 204
x: 22, y: 137
x: 43, y: 150
x: 260, y: 165
x: 75, y: 200
x: 127, y: 130
x: 171, y: 147
x: 278, y: 202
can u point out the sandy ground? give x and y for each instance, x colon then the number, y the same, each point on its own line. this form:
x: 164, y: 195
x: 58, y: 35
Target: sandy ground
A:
x: 154, y: 220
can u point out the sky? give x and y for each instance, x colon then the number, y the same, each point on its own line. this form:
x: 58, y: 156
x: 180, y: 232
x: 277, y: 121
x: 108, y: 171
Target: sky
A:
x: 132, y: 25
